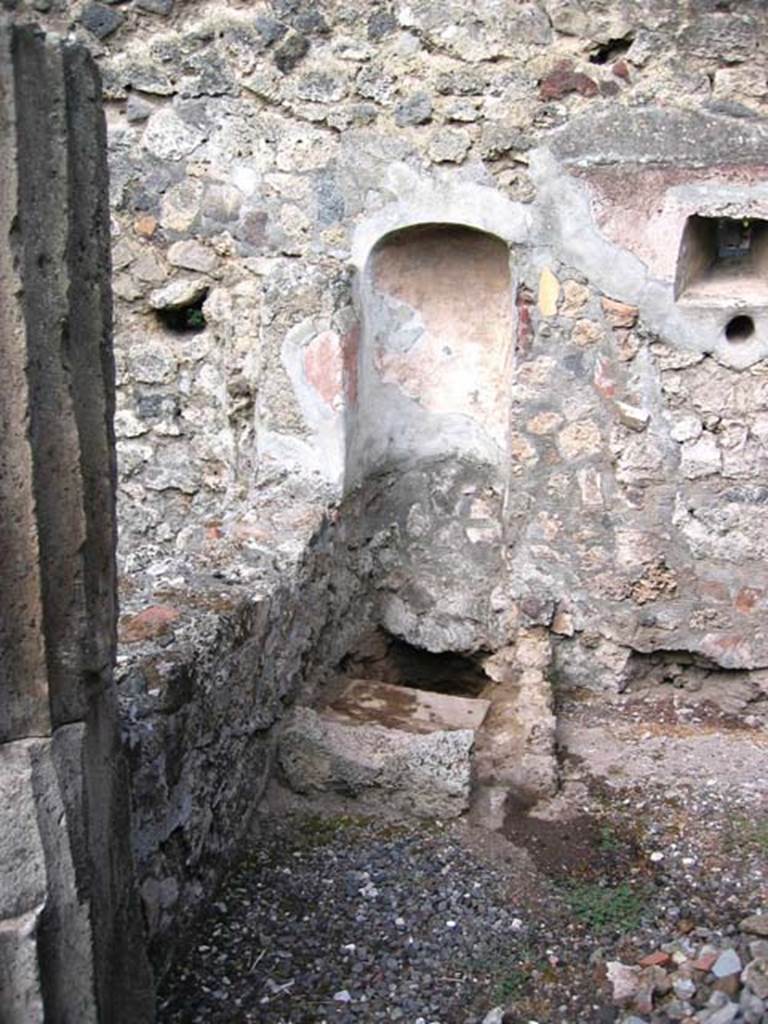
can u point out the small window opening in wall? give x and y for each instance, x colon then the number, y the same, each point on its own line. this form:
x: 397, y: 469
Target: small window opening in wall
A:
x: 186, y: 319
x: 722, y: 259
x: 740, y: 328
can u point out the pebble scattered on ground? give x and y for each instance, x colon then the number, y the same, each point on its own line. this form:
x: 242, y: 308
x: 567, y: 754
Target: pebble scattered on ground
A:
x: 366, y: 926
x: 690, y: 980
x: 645, y: 904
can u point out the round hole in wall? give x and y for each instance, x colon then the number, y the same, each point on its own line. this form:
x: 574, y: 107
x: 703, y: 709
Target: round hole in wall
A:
x: 740, y: 328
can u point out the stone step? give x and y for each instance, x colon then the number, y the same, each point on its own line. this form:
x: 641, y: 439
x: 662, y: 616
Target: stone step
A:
x: 389, y: 748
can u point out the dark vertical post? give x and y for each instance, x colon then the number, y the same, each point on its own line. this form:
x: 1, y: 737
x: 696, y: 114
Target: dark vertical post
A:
x: 71, y: 935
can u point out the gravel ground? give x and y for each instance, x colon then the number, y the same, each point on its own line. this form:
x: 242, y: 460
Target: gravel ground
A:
x: 342, y: 921
x: 334, y: 918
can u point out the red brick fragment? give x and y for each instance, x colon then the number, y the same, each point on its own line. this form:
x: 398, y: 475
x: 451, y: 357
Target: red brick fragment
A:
x: 621, y: 70
x: 148, y: 624
x: 747, y: 598
x: 705, y: 962
x: 524, y: 304
x: 657, y: 959
x: 561, y: 81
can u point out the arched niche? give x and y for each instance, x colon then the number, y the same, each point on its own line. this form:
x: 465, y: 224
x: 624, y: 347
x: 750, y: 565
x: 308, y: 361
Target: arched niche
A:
x: 436, y: 348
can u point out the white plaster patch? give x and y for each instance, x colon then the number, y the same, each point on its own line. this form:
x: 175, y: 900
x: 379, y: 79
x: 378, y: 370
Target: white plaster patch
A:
x: 318, y: 386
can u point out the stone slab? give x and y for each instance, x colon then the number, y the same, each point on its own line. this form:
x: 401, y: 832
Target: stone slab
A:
x: 425, y: 775
x: 660, y: 137
x: 22, y: 858
x: 369, y: 702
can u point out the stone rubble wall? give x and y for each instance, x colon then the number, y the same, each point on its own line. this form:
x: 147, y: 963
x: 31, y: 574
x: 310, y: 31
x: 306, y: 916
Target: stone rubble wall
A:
x: 262, y: 158
x: 200, y: 715
x: 248, y: 142
x: 261, y: 152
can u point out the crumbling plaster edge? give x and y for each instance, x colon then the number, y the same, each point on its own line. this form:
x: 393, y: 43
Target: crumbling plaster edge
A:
x: 427, y: 201
x: 560, y: 225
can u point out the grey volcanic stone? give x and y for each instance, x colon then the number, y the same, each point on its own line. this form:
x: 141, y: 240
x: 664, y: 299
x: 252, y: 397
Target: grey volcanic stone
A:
x: 290, y: 52
x: 137, y: 109
x: 655, y: 136
x: 310, y: 20
x: 100, y: 20
x: 417, y: 109
x: 70, y: 926
x: 163, y: 7
x: 269, y: 29
x: 381, y: 24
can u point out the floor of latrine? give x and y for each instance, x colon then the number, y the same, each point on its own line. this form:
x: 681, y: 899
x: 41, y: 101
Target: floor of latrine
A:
x: 660, y: 831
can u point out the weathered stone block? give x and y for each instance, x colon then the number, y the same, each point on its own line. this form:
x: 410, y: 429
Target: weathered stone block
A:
x: 700, y: 458
x: 414, y: 110
x: 449, y: 145
x: 168, y: 137
x: 380, y: 742
x: 21, y: 1000
x: 178, y: 294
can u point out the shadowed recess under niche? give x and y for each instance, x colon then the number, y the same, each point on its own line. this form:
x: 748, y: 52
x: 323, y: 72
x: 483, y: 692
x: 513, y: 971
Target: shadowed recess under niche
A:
x: 390, y: 660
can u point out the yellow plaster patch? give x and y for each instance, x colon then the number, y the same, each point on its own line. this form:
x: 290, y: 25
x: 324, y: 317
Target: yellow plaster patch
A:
x: 549, y: 292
